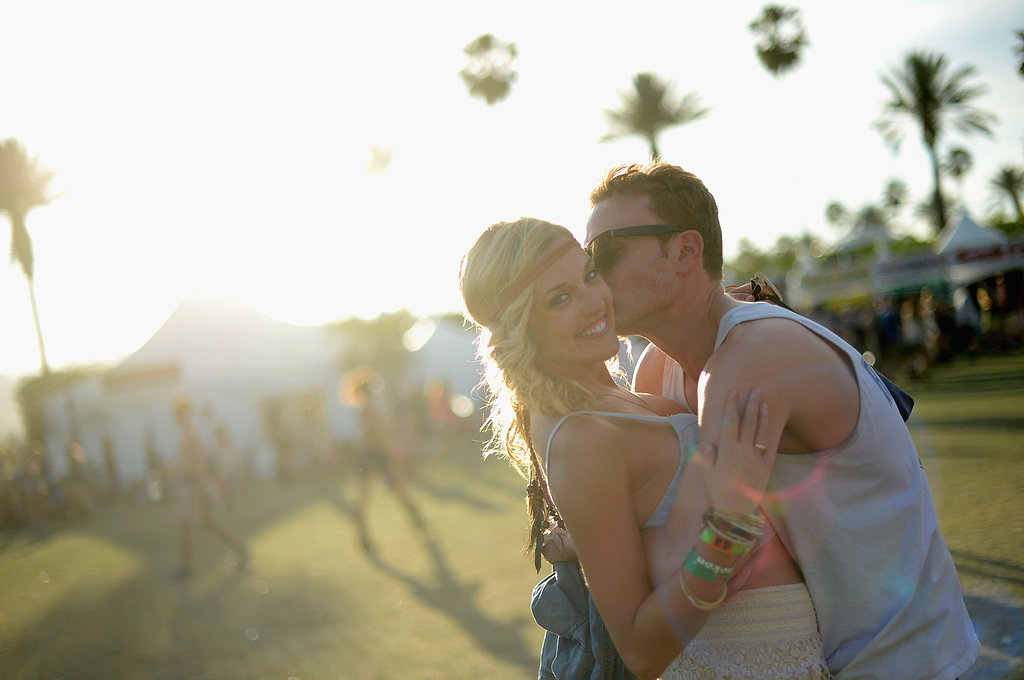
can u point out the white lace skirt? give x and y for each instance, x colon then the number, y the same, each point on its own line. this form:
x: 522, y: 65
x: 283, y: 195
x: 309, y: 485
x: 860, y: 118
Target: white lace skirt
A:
x: 762, y: 634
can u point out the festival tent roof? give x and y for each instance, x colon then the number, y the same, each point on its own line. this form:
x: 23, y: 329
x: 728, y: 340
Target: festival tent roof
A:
x: 966, y: 233
x: 863, y: 234
x: 216, y: 339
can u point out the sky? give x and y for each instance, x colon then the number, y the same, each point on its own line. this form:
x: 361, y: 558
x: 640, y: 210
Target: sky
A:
x: 223, y: 146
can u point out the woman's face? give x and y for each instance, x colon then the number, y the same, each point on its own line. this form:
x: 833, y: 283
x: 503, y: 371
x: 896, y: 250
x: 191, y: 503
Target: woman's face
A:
x: 572, y: 320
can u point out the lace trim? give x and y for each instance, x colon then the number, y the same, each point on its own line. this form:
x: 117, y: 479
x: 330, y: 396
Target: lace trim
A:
x: 761, y: 634
x: 798, y: 660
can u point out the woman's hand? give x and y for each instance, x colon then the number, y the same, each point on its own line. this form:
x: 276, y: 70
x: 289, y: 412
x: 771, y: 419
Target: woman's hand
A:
x: 739, y: 466
x: 757, y: 288
x: 744, y: 293
x: 558, y: 546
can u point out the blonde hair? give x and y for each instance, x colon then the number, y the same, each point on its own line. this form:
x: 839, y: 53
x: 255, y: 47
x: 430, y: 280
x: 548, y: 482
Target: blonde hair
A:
x: 491, y: 270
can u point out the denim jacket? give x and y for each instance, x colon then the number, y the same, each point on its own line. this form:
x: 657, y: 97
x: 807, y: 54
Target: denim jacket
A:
x: 576, y: 643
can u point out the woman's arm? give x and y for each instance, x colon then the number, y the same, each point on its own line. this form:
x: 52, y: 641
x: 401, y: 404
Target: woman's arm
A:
x: 650, y: 367
x: 590, y: 480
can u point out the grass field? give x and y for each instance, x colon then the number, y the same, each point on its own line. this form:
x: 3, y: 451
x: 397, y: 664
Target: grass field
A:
x: 94, y: 598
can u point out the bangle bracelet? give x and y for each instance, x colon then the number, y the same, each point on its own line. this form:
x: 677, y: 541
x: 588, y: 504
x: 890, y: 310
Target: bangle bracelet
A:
x: 698, y: 603
x: 740, y: 527
x: 753, y: 523
x: 718, y: 541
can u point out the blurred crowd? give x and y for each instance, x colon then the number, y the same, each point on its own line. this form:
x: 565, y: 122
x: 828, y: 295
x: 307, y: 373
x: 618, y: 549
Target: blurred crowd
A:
x: 905, y: 336
x: 405, y: 435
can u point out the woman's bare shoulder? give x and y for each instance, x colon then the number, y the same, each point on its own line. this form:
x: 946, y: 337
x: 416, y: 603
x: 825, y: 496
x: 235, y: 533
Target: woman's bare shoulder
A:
x: 585, y: 432
x: 588, y: 452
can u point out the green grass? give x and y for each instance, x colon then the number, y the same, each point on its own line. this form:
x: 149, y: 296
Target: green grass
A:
x: 968, y: 425
x: 94, y: 599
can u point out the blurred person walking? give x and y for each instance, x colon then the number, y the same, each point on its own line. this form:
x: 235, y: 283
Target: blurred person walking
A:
x: 198, y: 494
x: 77, y: 483
x: 380, y: 451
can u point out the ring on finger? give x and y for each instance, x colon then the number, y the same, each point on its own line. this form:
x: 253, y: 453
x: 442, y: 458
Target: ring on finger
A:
x: 761, y: 447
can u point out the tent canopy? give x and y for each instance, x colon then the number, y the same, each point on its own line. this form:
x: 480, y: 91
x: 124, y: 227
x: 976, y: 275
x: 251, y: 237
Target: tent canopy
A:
x: 966, y: 233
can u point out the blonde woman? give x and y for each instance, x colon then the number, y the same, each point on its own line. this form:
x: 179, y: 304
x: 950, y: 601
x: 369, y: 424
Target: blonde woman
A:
x: 614, y: 466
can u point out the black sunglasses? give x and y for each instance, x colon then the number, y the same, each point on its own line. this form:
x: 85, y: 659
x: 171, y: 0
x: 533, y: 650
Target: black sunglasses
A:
x: 602, y: 252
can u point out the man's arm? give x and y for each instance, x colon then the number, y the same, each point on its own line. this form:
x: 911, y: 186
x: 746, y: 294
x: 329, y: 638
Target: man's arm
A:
x: 808, y: 383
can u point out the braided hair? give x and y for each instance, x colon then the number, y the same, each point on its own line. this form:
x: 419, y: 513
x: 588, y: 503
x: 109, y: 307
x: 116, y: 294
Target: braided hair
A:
x: 490, y: 280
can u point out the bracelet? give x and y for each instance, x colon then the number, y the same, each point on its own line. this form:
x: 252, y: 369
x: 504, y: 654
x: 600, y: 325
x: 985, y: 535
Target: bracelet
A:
x: 698, y: 603
x: 705, y: 569
x: 744, y: 528
x: 728, y: 545
x: 752, y: 525
x: 730, y: 531
x: 752, y: 522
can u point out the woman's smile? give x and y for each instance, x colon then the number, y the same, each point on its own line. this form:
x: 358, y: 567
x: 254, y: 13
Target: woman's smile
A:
x: 596, y: 328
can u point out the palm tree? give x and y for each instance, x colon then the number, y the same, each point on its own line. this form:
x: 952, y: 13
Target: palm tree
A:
x: 1020, y: 51
x: 1010, y: 179
x: 489, y: 73
x: 924, y: 91
x: 894, y: 197
x: 782, y: 38
x: 837, y: 214
x: 647, y: 111
x: 24, y: 185
x: 958, y: 163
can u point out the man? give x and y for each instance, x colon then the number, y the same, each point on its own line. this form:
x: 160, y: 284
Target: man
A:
x: 848, y: 496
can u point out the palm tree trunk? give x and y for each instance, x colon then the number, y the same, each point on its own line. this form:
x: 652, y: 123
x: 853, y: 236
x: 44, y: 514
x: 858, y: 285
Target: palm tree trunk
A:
x: 39, y: 332
x: 940, y: 204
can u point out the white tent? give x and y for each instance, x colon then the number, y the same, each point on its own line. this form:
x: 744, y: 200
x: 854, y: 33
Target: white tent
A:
x: 864, y: 234
x: 238, y: 367
x: 273, y: 386
x: 965, y: 233
x: 974, y: 252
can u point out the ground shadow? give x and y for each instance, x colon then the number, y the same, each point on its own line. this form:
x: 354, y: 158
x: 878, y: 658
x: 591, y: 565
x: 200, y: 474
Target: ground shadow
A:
x: 998, y: 620
x: 458, y: 601
x: 151, y: 629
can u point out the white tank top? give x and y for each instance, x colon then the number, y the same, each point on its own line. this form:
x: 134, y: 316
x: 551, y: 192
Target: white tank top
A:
x: 859, y: 520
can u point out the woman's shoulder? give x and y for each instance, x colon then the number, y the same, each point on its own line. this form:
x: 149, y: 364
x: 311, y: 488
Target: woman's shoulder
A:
x: 584, y: 433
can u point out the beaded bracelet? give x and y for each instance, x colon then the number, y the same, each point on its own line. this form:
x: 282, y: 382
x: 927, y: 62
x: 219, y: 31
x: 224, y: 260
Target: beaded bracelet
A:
x: 698, y: 603
x: 705, y: 569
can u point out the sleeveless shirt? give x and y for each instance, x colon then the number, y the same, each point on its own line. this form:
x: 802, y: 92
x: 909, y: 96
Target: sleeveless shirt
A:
x: 859, y: 520
x: 688, y: 433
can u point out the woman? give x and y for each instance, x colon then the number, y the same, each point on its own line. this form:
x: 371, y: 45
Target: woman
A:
x: 658, y: 535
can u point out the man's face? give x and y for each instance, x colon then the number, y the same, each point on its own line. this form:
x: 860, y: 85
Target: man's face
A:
x: 641, y: 274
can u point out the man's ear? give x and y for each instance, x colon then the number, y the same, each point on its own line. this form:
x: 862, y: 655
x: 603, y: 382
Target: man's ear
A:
x: 690, y: 249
